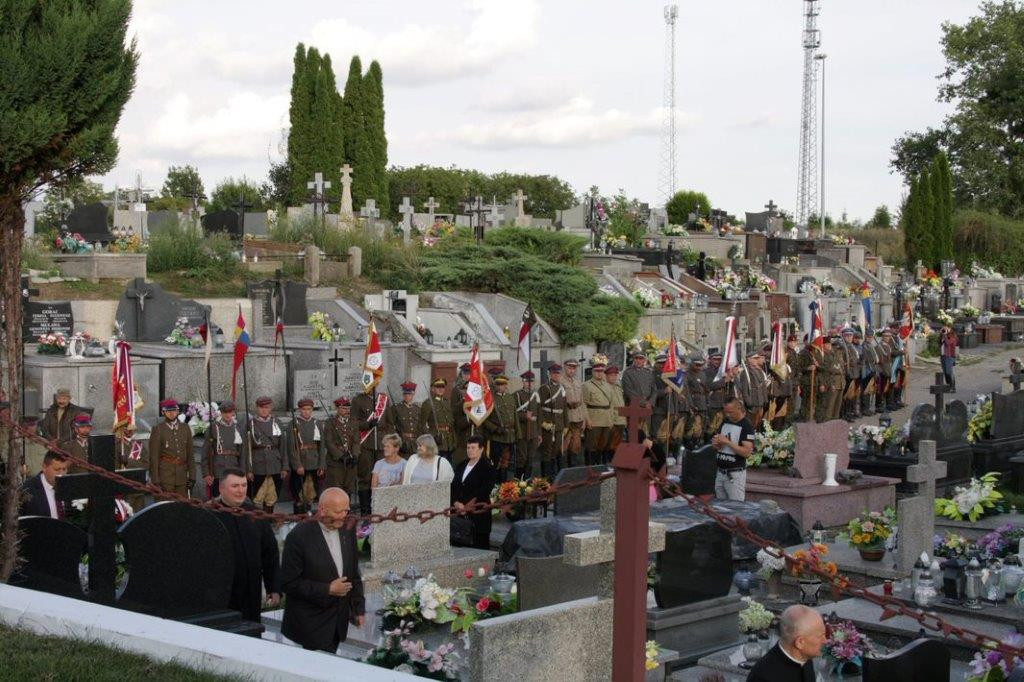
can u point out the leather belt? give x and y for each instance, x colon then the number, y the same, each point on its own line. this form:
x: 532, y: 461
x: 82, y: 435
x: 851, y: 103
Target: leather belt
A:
x: 309, y: 446
x: 599, y: 407
x: 443, y: 427
x: 172, y: 458
x: 228, y: 453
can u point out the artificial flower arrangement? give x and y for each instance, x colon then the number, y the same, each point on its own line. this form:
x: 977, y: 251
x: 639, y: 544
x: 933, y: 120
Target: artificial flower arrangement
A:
x: 69, y: 242
x: 323, y: 330
x: 184, y: 334
x: 980, y: 426
x: 395, y: 651
x: 990, y: 665
x: 823, y: 288
x: 649, y: 344
x: 870, y: 530
x: 1001, y: 542
x: 648, y: 298
x: 616, y: 242
x: 675, y: 231
x: 840, y: 240
x: 127, y: 243
x: 952, y: 546
x: 761, y: 282
x: 729, y: 284
x: 845, y: 644
x: 893, y: 434
x: 755, y: 617
x: 773, y: 449
x: 651, y: 652
x: 967, y: 311
x: 436, y: 232
x: 978, y: 270
x: 52, y: 344
x: 976, y: 499
x: 931, y: 279
x: 198, y: 415
x: 428, y: 602
x: 770, y: 564
x: 943, y: 317
x: 516, y: 489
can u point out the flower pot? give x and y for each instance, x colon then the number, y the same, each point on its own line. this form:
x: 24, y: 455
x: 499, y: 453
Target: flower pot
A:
x: 874, y: 553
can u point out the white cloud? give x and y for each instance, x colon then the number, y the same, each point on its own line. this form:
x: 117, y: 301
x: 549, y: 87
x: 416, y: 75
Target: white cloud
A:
x: 425, y: 54
x: 575, y: 123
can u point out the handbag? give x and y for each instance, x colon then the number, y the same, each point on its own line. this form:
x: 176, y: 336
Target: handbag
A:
x: 462, y: 531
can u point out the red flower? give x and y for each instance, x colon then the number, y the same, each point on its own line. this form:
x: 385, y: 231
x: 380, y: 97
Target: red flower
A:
x: 469, y: 574
x: 483, y: 605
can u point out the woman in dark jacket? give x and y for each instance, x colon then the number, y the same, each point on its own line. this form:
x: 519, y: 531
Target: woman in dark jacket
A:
x: 474, y: 480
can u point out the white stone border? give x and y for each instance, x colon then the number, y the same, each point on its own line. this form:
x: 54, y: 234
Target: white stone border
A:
x: 167, y: 640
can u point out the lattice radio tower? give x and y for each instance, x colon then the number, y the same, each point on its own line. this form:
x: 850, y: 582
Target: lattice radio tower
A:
x: 667, y: 181
x: 807, y: 188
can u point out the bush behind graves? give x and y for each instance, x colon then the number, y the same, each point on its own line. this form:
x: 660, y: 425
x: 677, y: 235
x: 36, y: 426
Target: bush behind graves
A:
x: 992, y: 240
x: 183, y: 247
x: 559, y: 247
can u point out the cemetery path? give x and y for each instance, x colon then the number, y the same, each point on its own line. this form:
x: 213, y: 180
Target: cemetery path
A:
x: 981, y: 370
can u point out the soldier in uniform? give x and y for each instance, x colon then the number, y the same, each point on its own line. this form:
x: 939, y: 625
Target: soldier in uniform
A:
x: 222, y: 449
x: 883, y: 379
x: 898, y: 350
x: 131, y: 454
x: 502, y: 429
x: 78, y: 444
x: 464, y: 428
x: 809, y: 362
x: 577, y: 413
x: 436, y: 418
x: 781, y: 398
x: 751, y: 385
x: 345, y: 468
x: 831, y: 381
x: 850, y: 357
x: 58, y: 421
x: 529, y: 436
x: 618, y: 421
x: 598, y: 397
x: 719, y: 392
x: 553, y: 421
x: 171, y: 465
x: 868, y: 372
x: 638, y: 382
x: 407, y: 418
x: 265, y: 457
x: 308, y: 462
x: 372, y: 429
x: 697, y: 390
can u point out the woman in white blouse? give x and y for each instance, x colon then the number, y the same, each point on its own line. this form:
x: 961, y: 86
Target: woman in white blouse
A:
x: 425, y: 466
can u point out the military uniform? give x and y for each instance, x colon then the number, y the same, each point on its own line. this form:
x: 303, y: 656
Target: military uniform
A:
x: 131, y: 454
x: 306, y: 453
x: 345, y: 466
x: 597, y: 399
x: 718, y: 392
x: 264, y: 455
x: 884, y: 378
x: 576, y: 416
x: 618, y: 420
x: 752, y: 388
x: 697, y: 385
x: 781, y: 391
x: 58, y: 423
x: 832, y: 375
x: 464, y: 428
x: 868, y: 375
x: 553, y: 423
x: 436, y: 418
x: 808, y: 361
x: 170, y: 457
x: 502, y: 432
x: 638, y: 383
x: 362, y: 410
x: 222, y: 449
x: 850, y: 356
x: 407, y: 420
x: 527, y: 411
x: 76, y: 447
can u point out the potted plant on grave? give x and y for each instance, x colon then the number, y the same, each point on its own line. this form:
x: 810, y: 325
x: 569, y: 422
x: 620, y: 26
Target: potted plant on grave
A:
x: 845, y: 648
x: 980, y: 426
x: 868, y: 532
x: 52, y: 344
x: 397, y: 652
x: 977, y: 499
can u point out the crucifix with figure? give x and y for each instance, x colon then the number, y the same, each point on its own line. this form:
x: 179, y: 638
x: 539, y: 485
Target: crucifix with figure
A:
x: 139, y: 291
x: 317, y: 195
x: 100, y: 492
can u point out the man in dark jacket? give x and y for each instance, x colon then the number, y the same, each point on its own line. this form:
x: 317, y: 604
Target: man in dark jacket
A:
x: 801, y: 638
x: 320, y: 575
x: 38, y: 497
x: 57, y: 422
x: 255, y: 548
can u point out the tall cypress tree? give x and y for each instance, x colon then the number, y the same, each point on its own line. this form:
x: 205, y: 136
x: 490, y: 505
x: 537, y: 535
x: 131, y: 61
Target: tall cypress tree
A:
x: 944, y: 196
x: 910, y: 221
x: 373, y: 106
x: 299, y: 146
x: 357, y: 145
x: 926, y: 229
x: 328, y: 148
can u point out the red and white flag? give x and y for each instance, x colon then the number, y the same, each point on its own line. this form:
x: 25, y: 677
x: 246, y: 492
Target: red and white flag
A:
x: 907, y: 321
x: 817, y: 333
x: 729, y: 357
x: 373, y: 360
x: 126, y: 399
x: 479, y: 401
x: 778, y: 359
x: 525, y: 338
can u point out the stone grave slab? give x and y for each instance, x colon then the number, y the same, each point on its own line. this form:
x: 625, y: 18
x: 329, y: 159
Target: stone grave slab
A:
x: 696, y: 565
x: 813, y: 441
x: 47, y: 317
x: 1007, y: 414
x: 51, y: 550
x: 698, y: 472
x: 90, y: 221
x: 225, y: 220
x: 544, y: 581
x: 923, y: 660
x: 149, y: 313
x: 581, y: 500
x: 292, y: 307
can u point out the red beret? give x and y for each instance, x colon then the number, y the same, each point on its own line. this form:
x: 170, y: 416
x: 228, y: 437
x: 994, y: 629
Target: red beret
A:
x: 527, y: 376
x: 555, y: 367
x: 408, y: 387
x: 262, y: 401
x: 306, y: 402
x: 168, y: 404
x: 612, y: 369
x: 342, y: 402
x: 84, y: 420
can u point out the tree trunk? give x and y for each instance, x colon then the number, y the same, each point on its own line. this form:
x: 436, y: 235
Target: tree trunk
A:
x: 12, y: 234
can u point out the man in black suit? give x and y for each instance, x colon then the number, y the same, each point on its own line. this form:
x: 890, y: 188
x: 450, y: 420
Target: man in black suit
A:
x: 255, y: 548
x: 41, y: 499
x: 474, y: 479
x: 801, y: 638
x: 320, y: 576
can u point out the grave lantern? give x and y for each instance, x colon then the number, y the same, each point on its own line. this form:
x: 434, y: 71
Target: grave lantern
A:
x: 973, y: 585
x: 428, y: 336
x: 818, y: 532
x: 924, y: 595
x: 953, y: 579
x: 462, y: 337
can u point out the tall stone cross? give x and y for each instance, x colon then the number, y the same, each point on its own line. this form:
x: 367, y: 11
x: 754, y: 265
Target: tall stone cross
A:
x: 241, y: 206
x: 100, y: 492
x: 430, y: 205
x: 771, y: 206
x: 335, y: 361
x: 520, y: 199
x: 406, y: 209
x: 543, y: 365
x: 916, y: 514
x: 345, y: 210
x: 623, y: 543
x: 939, y: 390
x: 316, y: 196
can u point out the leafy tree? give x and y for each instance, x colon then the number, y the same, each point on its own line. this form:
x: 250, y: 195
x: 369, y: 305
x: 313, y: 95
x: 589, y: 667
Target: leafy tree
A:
x: 685, y: 202
x: 625, y: 218
x: 278, y: 185
x: 67, y: 72
x: 882, y: 217
x: 182, y: 181
x: 225, y: 195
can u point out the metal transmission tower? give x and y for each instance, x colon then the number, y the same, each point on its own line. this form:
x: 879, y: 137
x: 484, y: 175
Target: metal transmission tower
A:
x: 807, y: 190
x: 667, y: 181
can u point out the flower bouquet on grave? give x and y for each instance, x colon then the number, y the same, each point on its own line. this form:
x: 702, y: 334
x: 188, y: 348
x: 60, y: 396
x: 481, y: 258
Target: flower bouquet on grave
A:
x: 648, y: 298
x: 978, y: 270
x: 967, y: 312
x: 990, y: 665
x: 197, y: 416
x: 516, y: 489
x: 438, y: 231
x: 126, y: 243
x: 773, y: 449
x: 183, y: 334
x: 52, y: 344
x: 675, y: 231
x: 760, y: 282
x: 323, y: 330
x: 952, y: 546
x: 943, y: 317
x: 975, y: 500
x: 845, y: 647
x: 729, y: 285
x: 755, y: 617
x: 69, y: 242
x: 770, y: 571
x: 1004, y: 541
x: 651, y: 652
x: 396, y: 652
x: 980, y: 426
x: 867, y: 533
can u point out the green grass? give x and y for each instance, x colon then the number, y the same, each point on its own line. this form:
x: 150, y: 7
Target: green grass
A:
x: 27, y: 656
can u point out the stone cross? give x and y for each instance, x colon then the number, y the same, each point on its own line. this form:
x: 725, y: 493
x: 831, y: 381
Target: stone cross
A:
x: 318, y: 185
x: 345, y: 210
x: 542, y: 365
x: 939, y: 390
x: 519, y: 198
x: 771, y: 206
x: 241, y: 206
x: 917, y: 514
x: 100, y: 492
x: 430, y: 205
x: 335, y: 361
x: 493, y: 217
x: 369, y: 209
x: 406, y: 209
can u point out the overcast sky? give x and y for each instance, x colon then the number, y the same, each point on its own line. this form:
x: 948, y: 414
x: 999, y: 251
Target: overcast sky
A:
x: 567, y: 87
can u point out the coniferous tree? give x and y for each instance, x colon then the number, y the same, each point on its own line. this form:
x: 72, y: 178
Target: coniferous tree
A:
x: 357, y: 145
x: 926, y: 227
x: 299, y: 144
x: 328, y: 145
x: 911, y: 222
x: 944, y: 197
x: 373, y: 101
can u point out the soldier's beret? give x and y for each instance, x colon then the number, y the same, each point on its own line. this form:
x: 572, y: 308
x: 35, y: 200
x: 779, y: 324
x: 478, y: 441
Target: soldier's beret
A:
x: 83, y: 420
x: 555, y: 368
x: 408, y: 387
x: 306, y: 402
x: 168, y: 404
x: 342, y: 402
x: 527, y: 376
x: 263, y: 401
x: 612, y: 369
x: 227, y: 406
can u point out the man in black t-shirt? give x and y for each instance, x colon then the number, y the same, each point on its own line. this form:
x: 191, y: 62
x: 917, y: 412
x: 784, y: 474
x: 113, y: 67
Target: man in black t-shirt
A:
x: 734, y: 442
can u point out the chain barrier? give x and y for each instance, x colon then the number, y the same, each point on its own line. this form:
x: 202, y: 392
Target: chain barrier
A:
x: 352, y: 520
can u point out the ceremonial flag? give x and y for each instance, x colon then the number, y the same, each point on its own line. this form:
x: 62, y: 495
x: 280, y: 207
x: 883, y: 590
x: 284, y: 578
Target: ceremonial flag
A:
x: 278, y: 336
x: 865, y: 308
x: 525, y: 338
x: 729, y: 358
x: 778, y: 358
x: 126, y: 400
x: 478, y: 402
x: 674, y: 372
x: 373, y: 360
x: 207, y: 334
x: 907, y: 321
x: 817, y: 333
x: 242, y: 343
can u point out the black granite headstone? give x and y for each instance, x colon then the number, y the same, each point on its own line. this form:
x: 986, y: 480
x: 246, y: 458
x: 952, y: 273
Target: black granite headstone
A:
x: 922, y: 424
x: 695, y: 565
x: 50, y: 550
x: 262, y: 296
x: 180, y: 560
x: 950, y: 431
x: 90, y: 221
x: 222, y: 221
x: 47, y: 317
x: 953, y: 428
x: 699, y: 469
x: 923, y: 660
x: 1007, y: 414
x: 149, y: 313
x: 584, y: 500
x: 292, y: 307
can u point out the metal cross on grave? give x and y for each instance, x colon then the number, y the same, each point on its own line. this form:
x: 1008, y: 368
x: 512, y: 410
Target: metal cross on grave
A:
x: 623, y: 545
x: 939, y: 390
x: 917, y: 514
x: 100, y: 492
x: 406, y: 209
x: 335, y: 361
x: 316, y: 196
x: 478, y: 208
x: 241, y: 206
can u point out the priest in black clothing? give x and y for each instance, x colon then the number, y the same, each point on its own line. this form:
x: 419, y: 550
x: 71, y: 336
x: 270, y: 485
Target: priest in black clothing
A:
x: 801, y: 638
x: 255, y: 549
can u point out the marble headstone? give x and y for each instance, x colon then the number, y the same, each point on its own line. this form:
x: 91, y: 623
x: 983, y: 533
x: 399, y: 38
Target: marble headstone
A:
x: 315, y: 384
x: 950, y: 430
x: 695, y: 565
x: 699, y: 469
x: 544, y: 581
x: 922, y: 659
x: 1007, y: 414
x: 399, y: 545
x: 47, y: 317
x: 813, y: 441
x: 584, y: 500
x: 50, y: 551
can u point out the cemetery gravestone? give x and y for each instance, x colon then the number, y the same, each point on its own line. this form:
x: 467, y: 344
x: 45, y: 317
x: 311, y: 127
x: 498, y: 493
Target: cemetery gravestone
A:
x: 262, y: 296
x: 406, y: 209
x: 90, y: 221
x: 1007, y: 414
x: 813, y: 441
x: 699, y: 469
x: 47, y: 317
x: 225, y: 220
x: 544, y: 581
x: 149, y: 313
x: 50, y: 550
x: 696, y: 565
x: 291, y: 303
x: 314, y: 384
x: 923, y: 660
x: 345, y: 209
x: 580, y: 500
x: 917, y: 514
